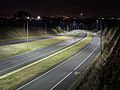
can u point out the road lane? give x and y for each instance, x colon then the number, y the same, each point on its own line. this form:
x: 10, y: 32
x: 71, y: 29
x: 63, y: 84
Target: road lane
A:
x: 63, y: 75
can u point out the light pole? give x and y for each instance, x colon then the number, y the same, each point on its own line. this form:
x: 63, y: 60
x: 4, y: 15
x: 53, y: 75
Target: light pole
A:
x: 27, y: 35
x: 97, y: 24
x: 74, y: 30
x: 24, y: 29
x: 67, y: 27
x: 101, y: 36
x: 45, y: 28
x: 82, y: 23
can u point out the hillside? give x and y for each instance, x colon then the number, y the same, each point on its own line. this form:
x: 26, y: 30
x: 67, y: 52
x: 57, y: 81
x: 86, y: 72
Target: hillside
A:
x: 104, y: 71
x: 17, y: 28
x: 20, y: 33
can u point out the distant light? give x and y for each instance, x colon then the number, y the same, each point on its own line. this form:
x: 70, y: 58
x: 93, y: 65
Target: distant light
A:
x: 32, y: 18
x: 118, y: 18
x: 38, y: 17
x: 74, y: 23
x: 103, y: 18
x: 28, y: 17
x: 81, y: 14
x: 97, y: 21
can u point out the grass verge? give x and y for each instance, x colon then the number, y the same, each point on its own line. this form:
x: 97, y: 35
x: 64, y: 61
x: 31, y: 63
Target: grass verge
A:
x: 99, y: 71
x: 19, y: 77
x: 76, y: 83
x: 15, y: 49
x: 19, y: 38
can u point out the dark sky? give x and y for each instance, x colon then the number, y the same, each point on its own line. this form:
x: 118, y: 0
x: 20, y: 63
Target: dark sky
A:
x: 90, y: 8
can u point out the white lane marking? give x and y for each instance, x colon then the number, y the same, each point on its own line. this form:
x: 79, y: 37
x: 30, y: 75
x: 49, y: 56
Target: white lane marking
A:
x: 61, y: 81
x: 76, y: 73
x: 87, y: 57
x: 49, y: 70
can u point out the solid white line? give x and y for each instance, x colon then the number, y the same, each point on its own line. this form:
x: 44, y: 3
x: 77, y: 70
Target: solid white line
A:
x: 87, y: 57
x: 61, y: 81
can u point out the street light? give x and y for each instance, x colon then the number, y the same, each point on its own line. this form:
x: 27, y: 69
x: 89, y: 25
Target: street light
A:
x: 74, y: 29
x: 27, y: 35
x: 27, y: 32
x: 81, y: 14
x: 101, y: 36
x: 38, y: 17
x: 28, y: 17
x: 45, y: 28
x: 74, y: 24
x: 67, y: 27
x: 97, y: 24
x: 24, y: 29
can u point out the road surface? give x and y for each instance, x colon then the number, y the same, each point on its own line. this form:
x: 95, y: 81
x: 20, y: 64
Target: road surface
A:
x: 13, y: 63
x: 64, y: 74
x: 34, y: 39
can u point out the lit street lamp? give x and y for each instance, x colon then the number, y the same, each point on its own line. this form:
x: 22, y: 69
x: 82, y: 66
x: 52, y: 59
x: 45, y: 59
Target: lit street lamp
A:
x: 38, y: 17
x: 81, y: 14
x: 27, y: 33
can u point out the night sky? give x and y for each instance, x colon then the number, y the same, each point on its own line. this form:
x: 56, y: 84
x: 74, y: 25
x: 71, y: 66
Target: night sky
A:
x: 90, y: 8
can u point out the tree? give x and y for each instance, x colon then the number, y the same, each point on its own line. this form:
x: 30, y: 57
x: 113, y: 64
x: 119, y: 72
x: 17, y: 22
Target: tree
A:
x: 22, y: 15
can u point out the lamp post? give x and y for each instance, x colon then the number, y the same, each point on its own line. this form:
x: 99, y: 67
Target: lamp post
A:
x: 101, y: 36
x: 74, y: 30
x: 67, y: 28
x: 97, y: 24
x: 27, y: 36
x: 24, y: 29
x: 45, y: 28
x: 81, y: 17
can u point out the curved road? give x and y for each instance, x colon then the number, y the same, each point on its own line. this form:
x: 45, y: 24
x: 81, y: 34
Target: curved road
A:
x: 13, y: 63
x: 34, y: 39
x: 64, y: 74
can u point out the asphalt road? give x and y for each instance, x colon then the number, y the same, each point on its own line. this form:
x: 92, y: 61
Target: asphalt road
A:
x: 64, y: 74
x: 13, y: 63
x: 33, y: 39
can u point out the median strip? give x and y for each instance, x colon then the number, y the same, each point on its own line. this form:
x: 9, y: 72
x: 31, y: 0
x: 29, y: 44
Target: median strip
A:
x: 15, y: 49
x: 19, y: 76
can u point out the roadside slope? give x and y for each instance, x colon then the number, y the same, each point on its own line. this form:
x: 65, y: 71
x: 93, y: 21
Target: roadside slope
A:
x: 100, y: 75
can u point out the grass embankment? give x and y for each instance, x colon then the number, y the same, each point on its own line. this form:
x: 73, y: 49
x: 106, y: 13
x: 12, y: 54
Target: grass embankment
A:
x: 15, y: 49
x: 99, y: 75
x: 19, y: 38
x: 19, y: 77
x: 15, y: 33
